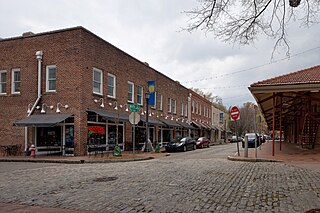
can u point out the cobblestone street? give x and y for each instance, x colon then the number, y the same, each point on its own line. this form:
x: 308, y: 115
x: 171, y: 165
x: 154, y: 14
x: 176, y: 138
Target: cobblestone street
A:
x: 198, y: 181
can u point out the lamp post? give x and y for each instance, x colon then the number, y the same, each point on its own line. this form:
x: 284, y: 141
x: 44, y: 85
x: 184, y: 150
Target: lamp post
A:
x: 147, y: 121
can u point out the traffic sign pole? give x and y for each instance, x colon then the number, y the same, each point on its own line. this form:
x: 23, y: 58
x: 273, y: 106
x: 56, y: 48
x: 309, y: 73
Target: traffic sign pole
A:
x: 134, y: 132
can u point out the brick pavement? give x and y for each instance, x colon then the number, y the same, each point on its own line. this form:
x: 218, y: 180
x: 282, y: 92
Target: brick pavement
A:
x: 196, y: 181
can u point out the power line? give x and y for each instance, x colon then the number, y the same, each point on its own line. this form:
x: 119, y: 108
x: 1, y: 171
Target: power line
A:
x: 246, y: 70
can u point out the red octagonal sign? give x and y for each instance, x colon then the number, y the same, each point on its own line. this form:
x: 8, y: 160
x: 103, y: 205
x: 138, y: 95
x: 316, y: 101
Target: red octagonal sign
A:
x: 234, y: 113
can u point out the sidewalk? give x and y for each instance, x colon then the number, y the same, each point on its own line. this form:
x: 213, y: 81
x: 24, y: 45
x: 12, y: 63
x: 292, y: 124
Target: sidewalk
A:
x: 126, y: 156
x: 290, y: 153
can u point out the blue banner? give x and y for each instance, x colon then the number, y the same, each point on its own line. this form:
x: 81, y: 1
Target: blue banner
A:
x: 152, y: 90
x: 221, y: 117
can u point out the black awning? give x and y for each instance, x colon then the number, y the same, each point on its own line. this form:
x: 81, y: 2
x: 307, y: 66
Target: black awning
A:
x: 170, y: 123
x: 185, y: 125
x: 110, y: 115
x: 197, y: 124
x: 151, y: 120
x: 42, y: 120
x: 207, y: 126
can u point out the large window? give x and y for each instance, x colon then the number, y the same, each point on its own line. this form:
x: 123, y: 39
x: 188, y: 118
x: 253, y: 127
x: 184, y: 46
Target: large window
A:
x: 16, y: 81
x: 174, y: 106
x: 97, y: 81
x: 159, y: 100
x: 197, y: 108
x: 51, y: 78
x: 130, y: 92
x: 186, y: 110
x: 169, y: 105
x: 192, y: 107
x: 182, y: 109
x: 111, y: 86
x: 3, y: 82
x: 140, y: 95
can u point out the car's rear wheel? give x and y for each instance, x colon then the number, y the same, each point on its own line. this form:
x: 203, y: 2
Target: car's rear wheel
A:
x: 194, y: 147
x: 184, y: 148
x: 202, y: 146
x: 208, y: 145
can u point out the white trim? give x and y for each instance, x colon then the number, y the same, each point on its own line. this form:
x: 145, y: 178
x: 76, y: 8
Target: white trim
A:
x: 160, y: 103
x: 174, y: 106
x: 114, y: 86
x: 139, y: 86
x: 47, y: 78
x: 169, y: 105
x: 101, y: 81
x: 132, y: 92
x: 182, y: 108
x: 12, y: 80
x: 5, y: 82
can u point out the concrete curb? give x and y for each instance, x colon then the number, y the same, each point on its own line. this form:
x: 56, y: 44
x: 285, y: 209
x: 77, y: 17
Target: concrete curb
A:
x: 74, y: 161
x: 252, y: 159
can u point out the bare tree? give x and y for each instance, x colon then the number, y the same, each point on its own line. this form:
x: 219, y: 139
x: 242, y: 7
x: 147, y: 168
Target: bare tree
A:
x: 215, y: 100
x: 242, y: 21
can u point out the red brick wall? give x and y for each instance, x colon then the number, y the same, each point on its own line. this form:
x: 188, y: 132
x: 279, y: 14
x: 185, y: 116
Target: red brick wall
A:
x: 74, y: 52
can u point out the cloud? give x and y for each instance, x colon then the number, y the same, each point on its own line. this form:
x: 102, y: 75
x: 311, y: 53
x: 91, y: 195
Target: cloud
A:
x: 151, y: 31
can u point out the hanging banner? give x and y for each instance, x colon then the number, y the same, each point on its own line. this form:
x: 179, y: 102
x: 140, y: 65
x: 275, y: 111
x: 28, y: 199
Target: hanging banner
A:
x: 151, y: 90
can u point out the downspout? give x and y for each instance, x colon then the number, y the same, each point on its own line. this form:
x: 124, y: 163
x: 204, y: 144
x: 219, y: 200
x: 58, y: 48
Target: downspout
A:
x: 39, y: 58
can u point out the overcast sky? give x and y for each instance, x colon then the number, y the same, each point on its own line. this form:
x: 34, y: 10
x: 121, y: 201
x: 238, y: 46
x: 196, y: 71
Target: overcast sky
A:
x: 150, y: 30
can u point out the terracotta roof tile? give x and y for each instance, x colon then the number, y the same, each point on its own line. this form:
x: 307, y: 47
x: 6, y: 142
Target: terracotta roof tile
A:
x: 306, y: 76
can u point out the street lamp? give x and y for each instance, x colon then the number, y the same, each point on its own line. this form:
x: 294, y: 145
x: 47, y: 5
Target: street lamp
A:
x: 147, y: 121
x: 117, y: 150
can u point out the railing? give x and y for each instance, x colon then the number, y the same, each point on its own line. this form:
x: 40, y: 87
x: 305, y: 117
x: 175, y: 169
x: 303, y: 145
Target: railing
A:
x: 11, y: 150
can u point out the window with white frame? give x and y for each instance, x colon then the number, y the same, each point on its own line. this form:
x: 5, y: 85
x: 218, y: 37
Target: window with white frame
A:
x: 192, y: 107
x: 97, y: 81
x: 111, y: 86
x: 200, y: 109
x: 169, y: 105
x: 140, y: 95
x: 3, y: 82
x: 16, y: 81
x: 197, y: 108
x: 51, y: 78
x: 186, y: 110
x: 159, y: 100
x: 174, y: 106
x: 130, y: 92
x: 182, y: 108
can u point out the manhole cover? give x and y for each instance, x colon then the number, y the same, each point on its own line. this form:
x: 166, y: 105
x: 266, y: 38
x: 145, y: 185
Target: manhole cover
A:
x: 105, y: 179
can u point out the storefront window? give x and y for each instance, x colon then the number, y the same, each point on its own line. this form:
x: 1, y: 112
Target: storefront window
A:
x: 49, y: 136
x: 112, y: 135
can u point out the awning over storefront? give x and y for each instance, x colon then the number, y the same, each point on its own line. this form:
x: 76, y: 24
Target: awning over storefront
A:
x: 207, y: 126
x: 170, y: 123
x: 151, y: 120
x: 110, y: 115
x: 185, y: 125
x: 42, y: 120
x: 199, y: 125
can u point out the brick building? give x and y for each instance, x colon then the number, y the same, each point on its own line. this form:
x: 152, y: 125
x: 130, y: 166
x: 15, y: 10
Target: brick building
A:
x: 68, y: 92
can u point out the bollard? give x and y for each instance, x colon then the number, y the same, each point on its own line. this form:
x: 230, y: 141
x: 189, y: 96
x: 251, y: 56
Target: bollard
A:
x: 33, y: 151
x: 246, y: 146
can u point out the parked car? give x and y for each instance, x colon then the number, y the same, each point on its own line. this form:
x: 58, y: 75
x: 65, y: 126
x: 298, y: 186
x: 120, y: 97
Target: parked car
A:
x: 252, y: 137
x: 182, y: 144
x: 234, y: 139
x: 203, y: 142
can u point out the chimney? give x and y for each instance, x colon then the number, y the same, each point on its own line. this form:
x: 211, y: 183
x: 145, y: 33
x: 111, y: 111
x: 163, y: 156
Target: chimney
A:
x: 26, y: 34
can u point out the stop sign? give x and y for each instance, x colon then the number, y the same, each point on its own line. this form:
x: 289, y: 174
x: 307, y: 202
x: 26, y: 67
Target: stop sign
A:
x: 234, y: 113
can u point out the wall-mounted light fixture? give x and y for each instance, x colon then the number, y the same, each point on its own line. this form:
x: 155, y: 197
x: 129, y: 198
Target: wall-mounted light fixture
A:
x: 100, y: 100
x: 60, y: 105
x: 29, y: 108
x: 43, y: 108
